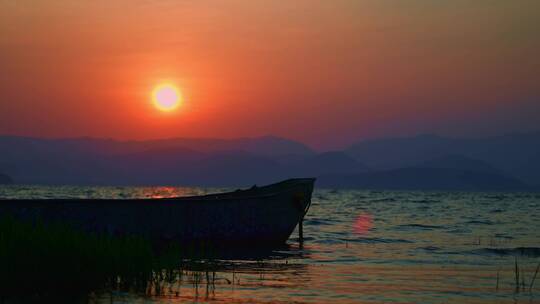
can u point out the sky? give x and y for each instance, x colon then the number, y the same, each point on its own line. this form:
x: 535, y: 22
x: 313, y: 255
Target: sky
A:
x: 327, y: 73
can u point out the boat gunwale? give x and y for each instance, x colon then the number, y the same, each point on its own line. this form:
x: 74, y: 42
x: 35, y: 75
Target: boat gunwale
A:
x: 283, y: 186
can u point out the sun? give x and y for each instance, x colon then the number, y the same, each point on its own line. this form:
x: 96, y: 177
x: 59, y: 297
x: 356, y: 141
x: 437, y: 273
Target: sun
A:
x: 166, y: 97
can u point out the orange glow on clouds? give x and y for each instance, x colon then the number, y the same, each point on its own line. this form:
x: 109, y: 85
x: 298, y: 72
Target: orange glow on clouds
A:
x: 326, y: 73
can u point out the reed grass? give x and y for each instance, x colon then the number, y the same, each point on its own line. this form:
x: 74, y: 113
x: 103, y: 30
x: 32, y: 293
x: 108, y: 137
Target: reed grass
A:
x: 534, y: 277
x: 38, y: 259
x: 519, y: 278
x: 497, y: 283
x: 516, y: 272
x: 53, y: 262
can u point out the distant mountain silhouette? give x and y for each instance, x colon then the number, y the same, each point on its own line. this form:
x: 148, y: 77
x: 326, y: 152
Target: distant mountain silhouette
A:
x: 185, y: 167
x: 4, y: 179
x: 336, y: 162
x: 267, y: 145
x: 423, y: 162
x: 399, y: 152
x: 159, y: 162
x: 459, y: 162
x: 529, y: 169
x: 425, y: 179
x: 515, y: 154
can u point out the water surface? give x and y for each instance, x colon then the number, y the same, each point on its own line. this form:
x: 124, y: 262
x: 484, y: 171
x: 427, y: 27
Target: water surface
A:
x: 363, y: 247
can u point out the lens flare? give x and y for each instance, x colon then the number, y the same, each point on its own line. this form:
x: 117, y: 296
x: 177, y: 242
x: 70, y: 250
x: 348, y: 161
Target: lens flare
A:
x: 363, y: 223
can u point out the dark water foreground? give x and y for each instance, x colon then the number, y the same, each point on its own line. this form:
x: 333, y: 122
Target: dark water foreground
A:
x: 361, y: 247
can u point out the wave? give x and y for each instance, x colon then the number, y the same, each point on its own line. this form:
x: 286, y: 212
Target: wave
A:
x: 429, y: 248
x: 382, y: 200
x: 425, y: 201
x: 480, y: 222
x: 318, y: 222
x: 376, y: 240
x: 522, y: 251
x: 496, y: 197
x: 421, y: 226
x: 460, y: 231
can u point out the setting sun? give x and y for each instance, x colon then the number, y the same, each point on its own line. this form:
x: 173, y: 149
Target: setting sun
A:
x: 166, y: 97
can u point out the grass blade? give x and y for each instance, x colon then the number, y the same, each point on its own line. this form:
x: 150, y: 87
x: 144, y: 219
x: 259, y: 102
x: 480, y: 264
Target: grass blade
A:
x: 534, y: 277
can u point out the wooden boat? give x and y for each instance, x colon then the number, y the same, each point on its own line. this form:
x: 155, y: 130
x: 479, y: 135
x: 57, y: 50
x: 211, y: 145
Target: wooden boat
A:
x: 259, y: 215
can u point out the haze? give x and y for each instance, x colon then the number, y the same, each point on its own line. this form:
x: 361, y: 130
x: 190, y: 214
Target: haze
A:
x: 326, y: 73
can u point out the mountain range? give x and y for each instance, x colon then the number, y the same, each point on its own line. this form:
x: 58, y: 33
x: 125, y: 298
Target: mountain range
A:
x: 516, y: 155
x: 4, y: 179
x: 424, y: 162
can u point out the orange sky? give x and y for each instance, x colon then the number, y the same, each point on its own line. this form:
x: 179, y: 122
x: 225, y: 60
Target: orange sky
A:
x: 324, y: 72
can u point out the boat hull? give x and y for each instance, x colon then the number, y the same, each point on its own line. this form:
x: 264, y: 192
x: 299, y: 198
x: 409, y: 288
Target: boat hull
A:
x: 265, y: 215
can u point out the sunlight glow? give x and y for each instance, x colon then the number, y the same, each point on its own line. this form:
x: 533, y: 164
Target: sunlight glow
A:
x: 166, y: 97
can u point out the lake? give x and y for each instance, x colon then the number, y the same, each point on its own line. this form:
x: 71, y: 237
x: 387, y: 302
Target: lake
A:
x: 363, y: 247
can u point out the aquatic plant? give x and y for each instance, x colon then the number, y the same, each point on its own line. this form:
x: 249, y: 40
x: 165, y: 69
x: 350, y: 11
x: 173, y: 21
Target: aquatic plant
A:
x: 53, y: 261
x: 38, y: 259
x: 516, y: 272
x: 534, y: 277
x: 519, y: 277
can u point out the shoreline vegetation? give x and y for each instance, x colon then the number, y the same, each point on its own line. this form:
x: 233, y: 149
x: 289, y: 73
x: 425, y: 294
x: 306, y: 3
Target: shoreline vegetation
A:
x: 39, y: 261
x: 482, y: 247
x: 53, y: 262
